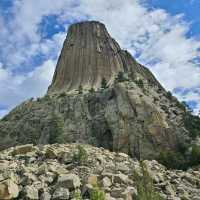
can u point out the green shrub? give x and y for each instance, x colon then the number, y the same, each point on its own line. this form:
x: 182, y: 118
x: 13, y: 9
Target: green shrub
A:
x: 172, y: 160
x: 140, y: 83
x: 63, y: 94
x: 192, y: 124
x: 38, y: 99
x: 145, y: 187
x: 104, y: 83
x: 169, y: 95
x: 195, y: 155
x: 184, y: 106
x: 181, y: 106
x: 77, y: 196
x: 120, y: 77
x: 80, y: 89
x: 92, y: 90
x: 187, y: 107
x: 56, y: 129
x: 97, y: 194
x: 80, y: 156
x: 46, y: 97
x: 180, y: 160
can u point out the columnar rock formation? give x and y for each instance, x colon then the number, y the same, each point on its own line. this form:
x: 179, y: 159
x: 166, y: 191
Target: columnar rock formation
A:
x: 89, y: 54
x: 134, y: 114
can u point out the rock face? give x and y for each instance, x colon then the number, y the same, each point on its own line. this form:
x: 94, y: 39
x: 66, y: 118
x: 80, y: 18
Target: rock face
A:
x: 32, y: 175
x: 90, y: 54
x: 134, y: 114
x: 122, y: 117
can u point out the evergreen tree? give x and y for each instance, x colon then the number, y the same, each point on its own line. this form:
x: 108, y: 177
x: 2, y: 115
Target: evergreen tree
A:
x: 120, y: 77
x: 191, y: 122
x: 81, y: 156
x: 140, y: 83
x: 92, y: 90
x: 187, y: 107
x: 195, y: 156
x: 80, y: 89
x: 169, y: 95
x: 104, y: 83
x: 56, y: 129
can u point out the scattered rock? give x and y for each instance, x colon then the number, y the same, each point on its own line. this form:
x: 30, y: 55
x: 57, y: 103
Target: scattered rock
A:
x: 108, y: 197
x: 106, y: 182
x: 47, y: 177
x: 120, y: 178
x: 23, y: 149
x: 8, y: 189
x: 70, y: 181
x: 3, y: 165
x: 92, y: 180
x: 61, y: 193
x: 50, y: 153
x: 45, y: 196
x: 31, y: 192
x: 117, y: 193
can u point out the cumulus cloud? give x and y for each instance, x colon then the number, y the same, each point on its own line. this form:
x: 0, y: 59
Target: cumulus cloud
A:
x: 191, y: 96
x: 157, y: 39
x: 21, y: 31
x: 3, y: 113
x: 16, y: 88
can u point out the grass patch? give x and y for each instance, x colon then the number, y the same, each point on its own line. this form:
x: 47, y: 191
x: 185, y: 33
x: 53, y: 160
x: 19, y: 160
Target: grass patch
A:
x: 145, y: 187
x: 97, y: 194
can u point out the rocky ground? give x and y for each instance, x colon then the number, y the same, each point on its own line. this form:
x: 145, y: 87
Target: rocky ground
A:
x: 66, y: 171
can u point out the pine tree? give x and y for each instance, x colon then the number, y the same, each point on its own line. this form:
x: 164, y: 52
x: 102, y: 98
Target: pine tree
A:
x: 140, y: 83
x: 92, y: 90
x: 56, y: 129
x: 120, y: 77
x: 80, y: 89
x: 104, y: 83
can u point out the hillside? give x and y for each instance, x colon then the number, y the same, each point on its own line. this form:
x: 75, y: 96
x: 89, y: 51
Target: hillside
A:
x: 100, y: 96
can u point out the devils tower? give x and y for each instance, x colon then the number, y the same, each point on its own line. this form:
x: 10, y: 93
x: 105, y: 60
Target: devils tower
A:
x: 133, y: 114
x: 90, y: 54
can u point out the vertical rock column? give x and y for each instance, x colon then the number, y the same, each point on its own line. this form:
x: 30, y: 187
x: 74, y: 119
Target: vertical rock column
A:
x: 88, y: 55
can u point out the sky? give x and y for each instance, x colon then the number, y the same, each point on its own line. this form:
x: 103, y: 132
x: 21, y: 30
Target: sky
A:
x: 162, y: 35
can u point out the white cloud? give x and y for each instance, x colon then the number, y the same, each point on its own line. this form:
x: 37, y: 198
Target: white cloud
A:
x: 30, y: 13
x: 3, y: 112
x: 22, y: 31
x: 155, y: 35
x: 16, y: 88
x: 193, y: 95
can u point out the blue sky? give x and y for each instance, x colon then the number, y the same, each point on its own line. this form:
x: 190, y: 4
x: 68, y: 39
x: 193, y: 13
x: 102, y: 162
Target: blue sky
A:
x: 163, y: 36
x: 190, y: 9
